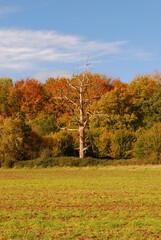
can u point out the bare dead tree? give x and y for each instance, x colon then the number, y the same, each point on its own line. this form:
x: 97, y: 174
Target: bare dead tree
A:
x: 80, y: 93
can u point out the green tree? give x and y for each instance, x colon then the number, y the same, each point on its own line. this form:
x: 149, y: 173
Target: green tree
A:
x: 11, y: 136
x: 122, y: 141
x: 148, y: 144
x: 142, y: 89
x: 5, y: 88
x: 118, y: 104
x: 44, y: 124
x: 32, y: 142
x: 152, y: 109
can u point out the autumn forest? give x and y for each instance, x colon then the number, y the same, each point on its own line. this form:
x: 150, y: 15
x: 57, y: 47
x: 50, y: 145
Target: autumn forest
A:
x: 88, y: 115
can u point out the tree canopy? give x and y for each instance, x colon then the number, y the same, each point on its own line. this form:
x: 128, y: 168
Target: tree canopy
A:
x: 87, y: 114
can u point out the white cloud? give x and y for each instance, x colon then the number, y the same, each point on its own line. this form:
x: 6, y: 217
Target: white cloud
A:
x: 29, y: 49
x: 22, y: 48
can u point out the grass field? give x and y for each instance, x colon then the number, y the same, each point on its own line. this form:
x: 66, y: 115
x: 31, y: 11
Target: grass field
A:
x: 81, y: 203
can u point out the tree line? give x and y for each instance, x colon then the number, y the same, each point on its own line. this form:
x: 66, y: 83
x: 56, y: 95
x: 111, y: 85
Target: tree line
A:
x: 85, y: 115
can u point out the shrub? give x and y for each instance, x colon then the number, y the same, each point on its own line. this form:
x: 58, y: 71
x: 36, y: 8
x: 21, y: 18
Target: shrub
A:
x: 62, y: 162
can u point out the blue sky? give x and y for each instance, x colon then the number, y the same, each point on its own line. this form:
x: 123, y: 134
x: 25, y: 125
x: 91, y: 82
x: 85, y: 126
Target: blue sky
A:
x: 43, y: 38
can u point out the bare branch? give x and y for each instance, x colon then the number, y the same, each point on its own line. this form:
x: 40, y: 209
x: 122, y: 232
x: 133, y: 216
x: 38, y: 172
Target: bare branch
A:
x: 87, y: 100
x: 85, y: 123
x: 68, y: 129
x: 78, y: 78
x: 84, y: 149
x: 68, y: 99
x: 71, y: 101
x: 72, y: 86
x: 99, y: 115
x: 90, y: 98
x: 71, y: 111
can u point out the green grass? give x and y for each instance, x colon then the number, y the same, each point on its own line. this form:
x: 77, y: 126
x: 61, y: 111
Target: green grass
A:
x: 81, y: 203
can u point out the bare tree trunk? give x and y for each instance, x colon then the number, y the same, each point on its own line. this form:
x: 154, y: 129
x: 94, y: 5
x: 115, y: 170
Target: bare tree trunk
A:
x: 81, y: 141
x: 81, y: 124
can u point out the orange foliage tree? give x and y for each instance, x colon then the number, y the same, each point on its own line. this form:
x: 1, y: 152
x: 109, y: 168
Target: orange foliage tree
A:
x: 27, y: 96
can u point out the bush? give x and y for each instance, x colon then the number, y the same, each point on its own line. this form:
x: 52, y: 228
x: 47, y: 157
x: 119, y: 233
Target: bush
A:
x: 77, y: 162
x: 62, y: 162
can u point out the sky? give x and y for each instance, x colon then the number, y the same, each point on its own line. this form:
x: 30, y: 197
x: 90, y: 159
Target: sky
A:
x: 50, y: 38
